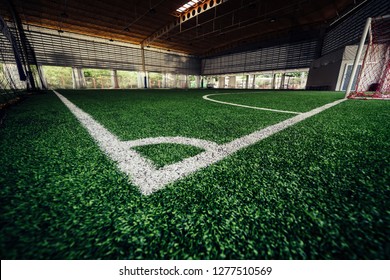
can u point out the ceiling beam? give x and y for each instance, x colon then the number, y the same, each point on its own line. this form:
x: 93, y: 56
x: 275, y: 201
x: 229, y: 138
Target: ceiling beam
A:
x: 152, y: 8
x: 194, y: 11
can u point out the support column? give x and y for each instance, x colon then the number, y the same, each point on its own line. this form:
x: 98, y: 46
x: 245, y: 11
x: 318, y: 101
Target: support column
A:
x: 232, y: 81
x: 114, y: 79
x: 165, y: 78
x: 140, y: 79
x: 42, y: 76
x: 254, y: 82
x: 186, y: 83
x: 221, y: 82
x: 197, y: 81
x: 282, y: 81
x: 247, y: 77
x: 78, y: 78
x: 145, y: 78
x: 273, y: 83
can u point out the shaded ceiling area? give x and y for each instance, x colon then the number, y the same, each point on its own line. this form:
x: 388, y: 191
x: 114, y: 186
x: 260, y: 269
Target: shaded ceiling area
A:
x: 208, y: 27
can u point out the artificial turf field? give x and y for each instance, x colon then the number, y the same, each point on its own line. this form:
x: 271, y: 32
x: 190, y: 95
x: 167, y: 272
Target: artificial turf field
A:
x: 316, y: 190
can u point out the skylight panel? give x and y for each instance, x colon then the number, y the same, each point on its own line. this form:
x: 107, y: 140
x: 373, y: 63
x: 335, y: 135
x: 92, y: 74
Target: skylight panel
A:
x: 187, y: 6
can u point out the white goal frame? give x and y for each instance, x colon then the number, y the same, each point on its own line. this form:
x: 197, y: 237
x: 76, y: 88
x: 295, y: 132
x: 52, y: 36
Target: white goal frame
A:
x: 366, y: 31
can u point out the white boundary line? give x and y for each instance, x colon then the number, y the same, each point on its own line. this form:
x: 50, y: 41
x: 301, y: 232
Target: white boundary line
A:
x: 206, y: 97
x: 142, y: 171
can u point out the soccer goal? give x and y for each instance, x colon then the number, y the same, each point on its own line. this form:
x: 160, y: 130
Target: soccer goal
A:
x: 373, y: 80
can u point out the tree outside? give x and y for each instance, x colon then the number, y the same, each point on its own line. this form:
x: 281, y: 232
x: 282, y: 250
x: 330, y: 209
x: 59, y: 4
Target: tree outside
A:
x: 58, y: 77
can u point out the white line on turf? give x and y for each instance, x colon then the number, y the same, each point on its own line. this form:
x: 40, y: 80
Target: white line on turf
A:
x: 206, y: 97
x: 145, y: 175
x: 204, y: 144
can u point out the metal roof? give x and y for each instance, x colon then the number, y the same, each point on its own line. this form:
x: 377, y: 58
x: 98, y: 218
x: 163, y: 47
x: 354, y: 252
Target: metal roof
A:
x: 208, y: 27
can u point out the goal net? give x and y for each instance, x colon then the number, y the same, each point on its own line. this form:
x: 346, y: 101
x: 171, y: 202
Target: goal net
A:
x: 374, y: 78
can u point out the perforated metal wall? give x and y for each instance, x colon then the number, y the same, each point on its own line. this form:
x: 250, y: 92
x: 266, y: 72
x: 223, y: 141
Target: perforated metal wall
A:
x: 64, y: 49
x: 156, y: 61
x: 280, y: 57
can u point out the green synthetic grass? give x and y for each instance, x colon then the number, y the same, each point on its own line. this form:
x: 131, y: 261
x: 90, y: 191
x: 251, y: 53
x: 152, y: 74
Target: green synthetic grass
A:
x: 297, y: 101
x: 6, y: 97
x: 317, y: 190
x: 139, y: 114
x: 163, y: 154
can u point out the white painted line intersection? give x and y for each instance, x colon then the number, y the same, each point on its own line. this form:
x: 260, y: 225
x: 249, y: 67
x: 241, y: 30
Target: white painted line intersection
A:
x: 144, y: 174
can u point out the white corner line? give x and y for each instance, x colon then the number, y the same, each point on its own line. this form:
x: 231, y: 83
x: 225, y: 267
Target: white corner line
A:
x: 206, y: 97
x: 145, y: 175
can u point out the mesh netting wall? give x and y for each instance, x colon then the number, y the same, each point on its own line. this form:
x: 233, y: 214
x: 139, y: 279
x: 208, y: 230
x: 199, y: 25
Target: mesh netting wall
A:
x: 375, y: 71
x: 10, y: 54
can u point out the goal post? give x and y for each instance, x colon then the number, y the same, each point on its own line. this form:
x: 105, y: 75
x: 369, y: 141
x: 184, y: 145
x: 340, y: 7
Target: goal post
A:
x: 373, y: 80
